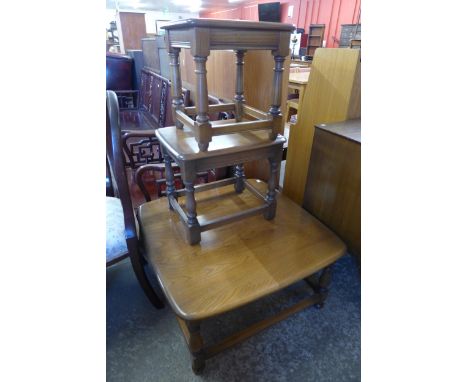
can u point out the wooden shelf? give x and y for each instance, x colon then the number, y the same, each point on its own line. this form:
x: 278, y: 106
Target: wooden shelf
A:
x: 316, y: 33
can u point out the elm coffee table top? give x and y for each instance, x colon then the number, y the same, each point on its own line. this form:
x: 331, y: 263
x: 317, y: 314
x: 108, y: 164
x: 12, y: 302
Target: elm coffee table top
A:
x: 235, y: 264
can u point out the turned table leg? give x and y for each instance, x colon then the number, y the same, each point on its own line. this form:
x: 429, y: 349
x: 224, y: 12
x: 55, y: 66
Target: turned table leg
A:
x: 202, y: 121
x: 176, y: 86
x: 275, y: 110
x: 170, y: 183
x: 239, y: 97
x: 270, y: 212
x: 195, y: 343
x: 239, y: 174
x: 321, y: 284
x: 194, y: 232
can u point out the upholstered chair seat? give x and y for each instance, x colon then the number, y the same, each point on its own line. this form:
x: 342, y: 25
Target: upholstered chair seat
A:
x: 116, y: 245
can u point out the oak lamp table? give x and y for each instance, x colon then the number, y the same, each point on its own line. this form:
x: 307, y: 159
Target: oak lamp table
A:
x: 196, y: 143
x: 225, y: 150
x: 203, y: 35
x: 236, y: 264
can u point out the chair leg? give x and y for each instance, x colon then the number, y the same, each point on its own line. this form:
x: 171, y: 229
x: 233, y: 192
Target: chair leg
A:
x: 138, y: 267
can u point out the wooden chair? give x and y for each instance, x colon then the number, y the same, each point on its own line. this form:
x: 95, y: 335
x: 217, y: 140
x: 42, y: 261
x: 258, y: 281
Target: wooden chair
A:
x: 122, y: 232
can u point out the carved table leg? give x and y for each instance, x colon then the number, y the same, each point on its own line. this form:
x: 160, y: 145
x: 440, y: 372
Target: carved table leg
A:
x: 176, y: 87
x: 194, y: 236
x: 202, y: 121
x: 239, y: 185
x: 195, y: 343
x: 170, y: 183
x: 270, y: 212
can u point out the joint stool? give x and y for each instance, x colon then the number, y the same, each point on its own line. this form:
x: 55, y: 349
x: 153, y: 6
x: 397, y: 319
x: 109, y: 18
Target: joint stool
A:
x: 199, y: 144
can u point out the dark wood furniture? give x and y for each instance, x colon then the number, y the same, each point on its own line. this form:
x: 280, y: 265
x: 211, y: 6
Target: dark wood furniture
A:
x: 237, y: 264
x: 120, y: 78
x: 155, y: 55
x: 119, y: 72
x: 116, y: 170
x: 132, y: 28
x: 349, y: 32
x: 142, y: 149
x: 315, y: 39
x: 333, y: 188
x: 152, y: 111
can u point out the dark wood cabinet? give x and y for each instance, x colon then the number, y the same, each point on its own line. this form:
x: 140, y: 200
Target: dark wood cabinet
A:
x: 315, y: 39
x: 333, y: 190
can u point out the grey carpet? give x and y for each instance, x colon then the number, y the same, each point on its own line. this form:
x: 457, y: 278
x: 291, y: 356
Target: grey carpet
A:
x: 145, y: 344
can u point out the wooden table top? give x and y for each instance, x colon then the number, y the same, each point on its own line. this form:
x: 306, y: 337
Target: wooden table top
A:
x: 350, y: 129
x: 231, y: 24
x: 299, y: 78
x: 235, y: 264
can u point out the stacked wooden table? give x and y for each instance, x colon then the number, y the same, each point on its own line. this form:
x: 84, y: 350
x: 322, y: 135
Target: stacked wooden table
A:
x: 215, y: 253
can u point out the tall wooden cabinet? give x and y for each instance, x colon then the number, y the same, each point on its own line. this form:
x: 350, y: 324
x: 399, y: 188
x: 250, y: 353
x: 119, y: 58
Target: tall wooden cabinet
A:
x: 132, y: 28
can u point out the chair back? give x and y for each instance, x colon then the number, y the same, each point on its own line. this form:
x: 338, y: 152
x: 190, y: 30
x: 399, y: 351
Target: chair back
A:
x: 116, y: 162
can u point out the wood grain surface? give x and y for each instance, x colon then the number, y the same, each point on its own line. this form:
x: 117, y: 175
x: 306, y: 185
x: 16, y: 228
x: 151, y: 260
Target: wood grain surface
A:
x: 132, y: 28
x: 235, y: 264
x: 332, y: 95
x: 333, y: 189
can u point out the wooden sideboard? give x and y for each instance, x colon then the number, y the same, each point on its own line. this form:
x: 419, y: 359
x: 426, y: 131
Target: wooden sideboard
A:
x: 333, y: 188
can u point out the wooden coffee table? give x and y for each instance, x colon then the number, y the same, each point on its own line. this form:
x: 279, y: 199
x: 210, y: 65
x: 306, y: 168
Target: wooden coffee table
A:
x: 235, y: 264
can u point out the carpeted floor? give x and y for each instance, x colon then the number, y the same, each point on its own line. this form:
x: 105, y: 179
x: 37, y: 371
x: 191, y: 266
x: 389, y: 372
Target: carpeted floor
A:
x: 145, y: 344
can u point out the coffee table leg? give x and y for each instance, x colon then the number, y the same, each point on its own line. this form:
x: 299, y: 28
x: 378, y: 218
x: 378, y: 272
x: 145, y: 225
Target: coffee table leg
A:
x: 321, y: 284
x: 196, y: 346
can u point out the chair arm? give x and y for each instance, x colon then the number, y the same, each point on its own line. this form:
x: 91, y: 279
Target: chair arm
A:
x: 126, y: 134
x: 148, y: 133
x: 138, y: 175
